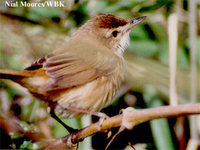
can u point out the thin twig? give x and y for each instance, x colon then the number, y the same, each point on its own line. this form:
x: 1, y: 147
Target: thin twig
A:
x: 193, y: 65
x: 173, y: 37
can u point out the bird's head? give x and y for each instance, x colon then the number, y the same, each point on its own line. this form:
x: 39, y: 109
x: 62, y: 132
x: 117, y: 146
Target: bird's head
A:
x: 111, y: 31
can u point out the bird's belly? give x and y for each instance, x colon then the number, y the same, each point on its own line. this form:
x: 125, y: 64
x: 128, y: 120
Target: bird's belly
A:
x: 92, y: 96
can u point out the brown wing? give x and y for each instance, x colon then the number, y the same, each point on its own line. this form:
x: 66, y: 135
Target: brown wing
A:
x: 65, y: 73
x: 76, y: 64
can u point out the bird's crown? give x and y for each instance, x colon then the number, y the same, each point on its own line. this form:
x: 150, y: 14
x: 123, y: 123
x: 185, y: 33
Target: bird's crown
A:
x: 108, y: 21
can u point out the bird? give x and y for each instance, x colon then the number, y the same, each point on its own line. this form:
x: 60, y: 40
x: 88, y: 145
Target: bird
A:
x: 83, y: 74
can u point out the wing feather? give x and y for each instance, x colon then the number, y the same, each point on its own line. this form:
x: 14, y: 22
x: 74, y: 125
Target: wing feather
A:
x: 78, y: 64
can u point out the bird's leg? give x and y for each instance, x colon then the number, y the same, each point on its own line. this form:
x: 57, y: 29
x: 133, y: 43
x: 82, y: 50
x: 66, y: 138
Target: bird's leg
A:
x: 101, y: 115
x: 86, y: 111
x: 68, y: 128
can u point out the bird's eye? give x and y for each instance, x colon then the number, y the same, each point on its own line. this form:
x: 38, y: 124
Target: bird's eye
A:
x: 114, y: 33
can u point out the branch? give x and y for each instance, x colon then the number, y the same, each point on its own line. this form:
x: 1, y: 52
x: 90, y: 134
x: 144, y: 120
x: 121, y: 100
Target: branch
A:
x: 12, y: 125
x: 130, y: 118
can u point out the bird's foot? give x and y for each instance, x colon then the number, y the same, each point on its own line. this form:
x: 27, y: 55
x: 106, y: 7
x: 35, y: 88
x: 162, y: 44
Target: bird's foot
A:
x: 101, y: 115
x: 102, y: 118
x: 69, y: 143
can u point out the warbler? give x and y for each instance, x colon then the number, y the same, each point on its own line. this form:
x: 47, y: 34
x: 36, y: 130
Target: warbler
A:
x: 83, y: 74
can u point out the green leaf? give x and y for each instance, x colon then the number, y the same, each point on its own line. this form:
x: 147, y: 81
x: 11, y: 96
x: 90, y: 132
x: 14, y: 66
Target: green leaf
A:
x: 161, y: 134
x: 138, y: 32
x: 146, y: 48
x: 14, y: 135
x: 156, y: 6
x: 160, y: 129
x: 60, y: 131
x: 45, y: 12
x: 28, y: 145
x: 182, y: 58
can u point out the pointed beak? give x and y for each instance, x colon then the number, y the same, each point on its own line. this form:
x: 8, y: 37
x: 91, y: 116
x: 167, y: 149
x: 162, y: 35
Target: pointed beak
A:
x: 135, y: 22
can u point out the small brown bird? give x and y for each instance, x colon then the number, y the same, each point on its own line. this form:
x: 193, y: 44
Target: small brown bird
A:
x: 84, y: 73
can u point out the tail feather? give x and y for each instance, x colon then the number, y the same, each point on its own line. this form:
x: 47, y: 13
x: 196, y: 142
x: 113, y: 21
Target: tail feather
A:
x: 14, y: 74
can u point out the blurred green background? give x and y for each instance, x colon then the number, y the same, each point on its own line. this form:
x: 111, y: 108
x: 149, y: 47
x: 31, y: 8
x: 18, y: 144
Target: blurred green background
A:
x: 28, y: 33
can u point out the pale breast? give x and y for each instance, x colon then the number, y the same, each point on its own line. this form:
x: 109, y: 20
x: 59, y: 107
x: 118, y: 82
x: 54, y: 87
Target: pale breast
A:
x: 92, y: 96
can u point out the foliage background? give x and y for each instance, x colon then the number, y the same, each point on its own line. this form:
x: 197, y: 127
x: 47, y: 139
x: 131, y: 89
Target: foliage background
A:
x: 27, y: 34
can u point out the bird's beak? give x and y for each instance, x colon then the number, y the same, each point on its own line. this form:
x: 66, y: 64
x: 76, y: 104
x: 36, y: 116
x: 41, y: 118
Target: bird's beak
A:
x: 135, y: 22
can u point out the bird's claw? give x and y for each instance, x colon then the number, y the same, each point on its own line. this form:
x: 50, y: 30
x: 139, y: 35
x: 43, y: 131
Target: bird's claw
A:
x: 102, y: 118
